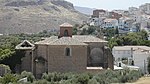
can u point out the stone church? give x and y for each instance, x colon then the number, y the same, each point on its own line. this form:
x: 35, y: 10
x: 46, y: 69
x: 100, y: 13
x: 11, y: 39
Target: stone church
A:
x: 66, y: 53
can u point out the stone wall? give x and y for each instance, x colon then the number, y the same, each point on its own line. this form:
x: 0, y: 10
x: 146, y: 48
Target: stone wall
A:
x: 108, y: 58
x: 99, y: 56
x: 59, y: 62
x: 55, y: 59
x: 95, y: 54
x: 42, y: 51
x: 27, y: 61
x: 40, y: 60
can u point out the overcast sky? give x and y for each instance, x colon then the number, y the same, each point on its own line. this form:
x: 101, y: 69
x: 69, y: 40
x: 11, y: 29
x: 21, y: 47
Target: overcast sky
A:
x: 108, y: 4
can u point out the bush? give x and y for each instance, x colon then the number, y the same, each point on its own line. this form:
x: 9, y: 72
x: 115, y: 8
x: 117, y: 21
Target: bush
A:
x: 8, y: 78
x: 93, y: 81
x: 29, y: 75
x: 52, y: 77
x: 4, y: 69
x: 121, y: 76
x: 105, y: 77
x: 41, y: 82
x: 83, y: 78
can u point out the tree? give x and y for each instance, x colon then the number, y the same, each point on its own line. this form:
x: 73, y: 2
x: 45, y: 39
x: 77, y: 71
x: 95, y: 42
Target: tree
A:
x: 143, y: 34
x: 112, y: 42
x: 8, y: 78
x: 117, y: 31
x: 84, y: 32
x: 13, y: 59
x: 91, y: 29
x: 74, y: 31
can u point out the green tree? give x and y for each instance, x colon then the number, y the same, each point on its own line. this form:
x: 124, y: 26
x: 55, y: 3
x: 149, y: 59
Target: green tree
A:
x: 84, y: 32
x: 91, y: 29
x: 13, y: 60
x: 143, y: 34
x: 74, y: 31
x: 112, y: 42
x: 117, y: 31
x: 8, y: 78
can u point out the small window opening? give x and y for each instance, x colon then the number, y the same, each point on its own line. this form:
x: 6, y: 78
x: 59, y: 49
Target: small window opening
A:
x: 119, y: 64
x: 30, y: 53
x: 67, y: 52
x: 66, y: 33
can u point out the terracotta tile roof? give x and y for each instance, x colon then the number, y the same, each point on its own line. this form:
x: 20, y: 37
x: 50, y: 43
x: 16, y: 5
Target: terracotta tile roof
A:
x: 67, y: 41
x: 66, y: 25
x: 74, y: 40
x: 87, y: 38
x: 47, y: 40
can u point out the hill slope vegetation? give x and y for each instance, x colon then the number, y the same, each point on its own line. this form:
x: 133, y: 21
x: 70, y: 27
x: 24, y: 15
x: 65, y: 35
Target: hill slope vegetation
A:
x: 32, y: 16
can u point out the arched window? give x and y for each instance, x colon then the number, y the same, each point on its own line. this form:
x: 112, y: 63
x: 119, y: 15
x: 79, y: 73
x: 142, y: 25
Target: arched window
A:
x: 66, y: 33
x: 119, y: 64
x: 67, y: 52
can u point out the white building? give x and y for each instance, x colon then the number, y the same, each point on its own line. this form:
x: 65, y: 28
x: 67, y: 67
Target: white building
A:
x: 104, y: 14
x: 133, y: 10
x: 136, y: 17
x: 136, y: 54
x: 118, y: 11
x: 96, y: 21
x: 127, y: 24
x: 145, y: 23
x: 145, y: 8
x: 110, y: 23
x: 124, y: 22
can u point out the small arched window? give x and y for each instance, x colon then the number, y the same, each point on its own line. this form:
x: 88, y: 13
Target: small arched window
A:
x: 119, y: 64
x: 66, y: 33
x: 68, y: 52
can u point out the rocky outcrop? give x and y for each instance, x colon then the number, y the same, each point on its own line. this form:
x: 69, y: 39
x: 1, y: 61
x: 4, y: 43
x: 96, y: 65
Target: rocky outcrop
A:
x: 63, y: 3
x: 21, y: 3
x: 33, y: 16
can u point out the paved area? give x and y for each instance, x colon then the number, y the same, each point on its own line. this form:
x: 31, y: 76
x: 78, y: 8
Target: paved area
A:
x: 143, y: 80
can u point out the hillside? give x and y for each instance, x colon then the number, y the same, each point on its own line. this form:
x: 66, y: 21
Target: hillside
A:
x: 32, y: 16
x: 84, y: 10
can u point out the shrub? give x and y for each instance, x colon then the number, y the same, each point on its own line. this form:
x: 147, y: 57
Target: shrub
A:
x: 93, y: 81
x: 83, y: 78
x: 8, y: 78
x: 41, y: 82
x: 29, y: 75
x: 105, y: 77
x: 52, y: 77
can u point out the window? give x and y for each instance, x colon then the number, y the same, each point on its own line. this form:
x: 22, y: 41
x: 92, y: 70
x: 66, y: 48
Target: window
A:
x: 68, y: 52
x: 119, y: 64
x: 66, y: 33
x: 30, y: 53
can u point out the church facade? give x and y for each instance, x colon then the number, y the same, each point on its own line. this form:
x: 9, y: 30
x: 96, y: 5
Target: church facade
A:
x: 66, y: 53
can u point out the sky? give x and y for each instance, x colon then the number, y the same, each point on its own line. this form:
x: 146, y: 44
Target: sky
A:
x: 109, y: 4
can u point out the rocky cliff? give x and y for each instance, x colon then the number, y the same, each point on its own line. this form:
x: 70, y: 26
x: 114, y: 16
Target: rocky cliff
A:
x: 32, y: 16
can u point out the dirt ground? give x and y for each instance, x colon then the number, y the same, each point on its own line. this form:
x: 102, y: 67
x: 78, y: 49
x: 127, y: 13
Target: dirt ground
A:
x: 143, y: 80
